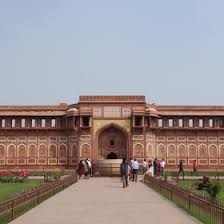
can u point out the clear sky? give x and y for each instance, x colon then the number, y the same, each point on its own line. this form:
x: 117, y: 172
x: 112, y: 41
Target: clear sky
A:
x: 52, y: 51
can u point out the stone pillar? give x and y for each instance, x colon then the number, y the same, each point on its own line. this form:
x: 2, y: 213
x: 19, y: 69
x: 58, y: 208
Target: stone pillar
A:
x: 18, y: 122
x: 186, y: 125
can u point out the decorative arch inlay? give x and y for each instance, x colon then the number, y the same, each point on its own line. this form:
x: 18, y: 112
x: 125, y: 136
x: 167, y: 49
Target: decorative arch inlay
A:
x: 161, y: 151
x: 62, y: 150
x: 53, y: 151
x: 32, y: 151
x: 202, y: 151
x: 182, y: 151
x: 85, y: 150
x: 42, y: 150
x: 11, y: 151
x: 149, y: 151
x: 138, y: 150
x: 21, y: 151
x: 192, y: 151
x: 171, y: 151
x: 2, y: 151
x: 213, y: 151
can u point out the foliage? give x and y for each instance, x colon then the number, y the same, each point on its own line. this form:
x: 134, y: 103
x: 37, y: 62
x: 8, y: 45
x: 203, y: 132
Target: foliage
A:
x: 213, y: 189
x: 50, y: 176
x: 13, y: 177
x: 56, y: 176
x: 9, y: 189
x: 165, y: 176
x: 204, y: 184
x: 202, y: 173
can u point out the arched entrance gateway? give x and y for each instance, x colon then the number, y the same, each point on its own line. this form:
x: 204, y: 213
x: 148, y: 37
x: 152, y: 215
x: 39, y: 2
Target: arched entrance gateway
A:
x: 112, y: 143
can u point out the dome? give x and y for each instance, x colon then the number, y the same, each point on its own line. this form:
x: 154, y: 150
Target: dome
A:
x: 151, y: 110
x: 72, y: 111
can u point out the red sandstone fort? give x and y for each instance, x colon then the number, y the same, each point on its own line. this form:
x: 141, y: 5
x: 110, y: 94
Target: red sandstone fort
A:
x: 105, y: 127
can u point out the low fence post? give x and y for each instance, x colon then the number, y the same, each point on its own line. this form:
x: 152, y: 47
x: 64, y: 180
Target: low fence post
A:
x: 189, y: 202
x: 222, y: 216
x: 38, y: 196
x: 171, y: 195
x: 12, y: 206
x: 63, y: 184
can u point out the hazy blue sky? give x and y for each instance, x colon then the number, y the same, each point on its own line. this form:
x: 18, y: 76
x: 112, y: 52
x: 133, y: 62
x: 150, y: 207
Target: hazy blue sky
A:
x: 52, y: 51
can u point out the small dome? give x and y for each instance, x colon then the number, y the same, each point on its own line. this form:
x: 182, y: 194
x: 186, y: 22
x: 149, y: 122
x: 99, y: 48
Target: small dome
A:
x: 151, y: 110
x: 72, y: 111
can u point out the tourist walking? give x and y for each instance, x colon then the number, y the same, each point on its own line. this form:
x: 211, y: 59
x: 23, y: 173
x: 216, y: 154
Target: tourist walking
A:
x: 90, y: 167
x: 155, y: 167
x: 86, y: 168
x: 144, y: 166
x: 135, y: 167
x: 194, y: 166
x: 124, y: 172
x: 131, y: 177
x: 163, y: 164
x: 159, y: 168
x: 149, y: 171
x: 181, y: 168
x: 80, y: 170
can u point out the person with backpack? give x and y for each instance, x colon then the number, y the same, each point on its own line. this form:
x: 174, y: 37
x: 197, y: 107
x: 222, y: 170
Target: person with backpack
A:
x: 124, y: 167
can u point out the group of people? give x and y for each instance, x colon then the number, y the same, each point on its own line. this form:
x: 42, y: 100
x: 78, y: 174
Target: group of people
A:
x: 158, y: 167
x: 85, y: 169
x: 129, y: 171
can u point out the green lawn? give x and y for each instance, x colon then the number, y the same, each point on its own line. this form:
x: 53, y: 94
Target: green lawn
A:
x: 190, y: 185
x: 8, y: 189
x: 200, y: 173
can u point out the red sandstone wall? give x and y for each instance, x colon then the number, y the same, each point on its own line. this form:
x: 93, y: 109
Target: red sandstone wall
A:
x: 37, y: 149
x: 207, y: 147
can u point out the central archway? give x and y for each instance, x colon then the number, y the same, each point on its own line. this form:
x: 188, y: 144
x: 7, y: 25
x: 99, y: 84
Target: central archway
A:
x: 112, y: 143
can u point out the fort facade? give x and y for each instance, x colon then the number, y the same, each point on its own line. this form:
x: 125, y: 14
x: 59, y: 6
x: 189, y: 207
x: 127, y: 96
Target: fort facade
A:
x: 106, y: 127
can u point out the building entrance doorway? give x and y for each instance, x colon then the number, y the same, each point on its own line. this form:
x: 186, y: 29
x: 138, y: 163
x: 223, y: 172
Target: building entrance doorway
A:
x: 112, y: 155
x: 112, y: 143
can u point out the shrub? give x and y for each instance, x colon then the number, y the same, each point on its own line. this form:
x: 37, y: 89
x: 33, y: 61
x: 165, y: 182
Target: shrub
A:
x: 56, y: 176
x: 200, y: 186
x: 13, y: 177
x: 205, y: 183
x: 7, y: 179
x: 213, y: 189
x: 165, y: 176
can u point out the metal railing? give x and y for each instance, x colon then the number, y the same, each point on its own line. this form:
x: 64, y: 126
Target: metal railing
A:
x: 207, y: 211
x: 18, y: 205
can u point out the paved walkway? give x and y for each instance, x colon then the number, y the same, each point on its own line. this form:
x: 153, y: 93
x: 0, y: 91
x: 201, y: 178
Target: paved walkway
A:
x: 104, y: 201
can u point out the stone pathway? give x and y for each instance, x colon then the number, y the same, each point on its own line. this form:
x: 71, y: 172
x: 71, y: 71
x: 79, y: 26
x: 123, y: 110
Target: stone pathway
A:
x: 104, y: 201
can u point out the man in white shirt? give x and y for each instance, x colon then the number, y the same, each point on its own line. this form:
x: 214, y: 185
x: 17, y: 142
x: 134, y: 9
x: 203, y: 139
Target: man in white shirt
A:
x: 135, y: 167
x: 90, y: 166
x: 131, y: 177
x: 144, y: 166
x: 163, y: 164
